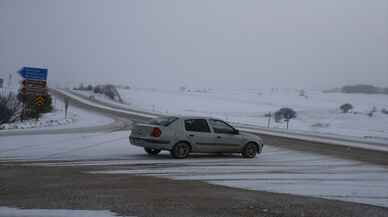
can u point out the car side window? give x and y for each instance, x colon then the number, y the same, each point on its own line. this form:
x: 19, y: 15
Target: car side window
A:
x: 197, y: 125
x: 221, y: 127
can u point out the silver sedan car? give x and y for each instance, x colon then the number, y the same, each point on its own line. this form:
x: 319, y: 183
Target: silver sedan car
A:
x: 184, y: 135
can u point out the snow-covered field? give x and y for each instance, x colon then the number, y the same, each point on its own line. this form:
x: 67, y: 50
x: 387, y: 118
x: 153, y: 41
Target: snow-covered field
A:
x: 316, y: 111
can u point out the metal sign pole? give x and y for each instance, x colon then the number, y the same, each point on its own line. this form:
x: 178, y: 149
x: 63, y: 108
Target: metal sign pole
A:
x: 66, y: 106
x: 23, y: 110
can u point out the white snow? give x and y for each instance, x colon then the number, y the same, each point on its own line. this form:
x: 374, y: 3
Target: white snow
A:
x: 15, y: 212
x: 56, y: 119
x: 373, y: 144
x: 102, y: 145
x: 276, y: 169
x: 317, y: 113
x: 97, y: 105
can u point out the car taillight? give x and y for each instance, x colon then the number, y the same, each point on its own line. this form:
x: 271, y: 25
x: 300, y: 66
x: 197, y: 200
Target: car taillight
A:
x: 156, y: 132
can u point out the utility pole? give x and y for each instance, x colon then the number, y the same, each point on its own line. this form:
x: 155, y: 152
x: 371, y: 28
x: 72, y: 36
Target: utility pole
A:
x: 9, y: 83
x: 269, y: 120
x: 2, y: 86
x: 66, y: 106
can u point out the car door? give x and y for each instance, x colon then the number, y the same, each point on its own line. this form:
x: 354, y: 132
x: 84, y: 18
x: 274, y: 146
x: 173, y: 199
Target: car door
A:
x: 226, y: 138
x: 198, y: 133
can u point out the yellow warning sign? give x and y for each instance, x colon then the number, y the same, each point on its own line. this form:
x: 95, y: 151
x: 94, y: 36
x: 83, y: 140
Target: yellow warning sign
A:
x: 39, y: 100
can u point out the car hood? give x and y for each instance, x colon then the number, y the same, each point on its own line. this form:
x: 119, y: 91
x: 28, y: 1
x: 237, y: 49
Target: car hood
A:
x: 252, y: 137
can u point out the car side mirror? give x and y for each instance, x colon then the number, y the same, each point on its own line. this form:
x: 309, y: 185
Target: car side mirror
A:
x: 236, y: 131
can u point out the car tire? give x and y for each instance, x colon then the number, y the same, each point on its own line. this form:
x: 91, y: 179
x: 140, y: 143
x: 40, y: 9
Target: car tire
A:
x: 152, y: 151
x: 250, y: 150
x: 180, y: 150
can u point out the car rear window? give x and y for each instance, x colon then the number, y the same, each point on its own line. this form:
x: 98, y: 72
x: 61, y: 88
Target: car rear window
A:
x: 164, y: 121
x: 197, y: 125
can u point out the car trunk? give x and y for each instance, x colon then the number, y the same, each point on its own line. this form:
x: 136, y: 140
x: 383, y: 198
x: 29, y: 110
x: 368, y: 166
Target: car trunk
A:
x: 143, y: 130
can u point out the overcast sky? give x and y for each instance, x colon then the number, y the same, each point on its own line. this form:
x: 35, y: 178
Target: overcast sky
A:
x: 199, y: 43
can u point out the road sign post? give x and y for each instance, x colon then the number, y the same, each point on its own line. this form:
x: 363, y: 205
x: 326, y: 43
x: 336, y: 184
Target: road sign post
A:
x: 33, y: 88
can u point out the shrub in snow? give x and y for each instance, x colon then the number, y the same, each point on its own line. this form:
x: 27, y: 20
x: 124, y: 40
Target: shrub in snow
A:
x: 9, y: 105
x: 97, y: 89
x: 345, y: 108
x: 384, y: 111
x: 32, y: 110
x: 284, y: 114
x: 371, y: 112
x: 48, y: 105
x: 83, y: 87
x: 125, y: 87
x: 360, y: 88
x: 108, y: 90
x: 268, y: 115
x: 321, y: 125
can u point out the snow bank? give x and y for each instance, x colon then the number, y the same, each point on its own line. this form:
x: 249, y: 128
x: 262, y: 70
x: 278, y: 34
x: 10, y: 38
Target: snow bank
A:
x: 15, y: 212
x: 56, y: 119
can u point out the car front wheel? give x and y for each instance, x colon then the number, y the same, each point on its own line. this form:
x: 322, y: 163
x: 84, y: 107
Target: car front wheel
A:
x: 180, y: 151
x: 249, y: 151
x: 152, y: 151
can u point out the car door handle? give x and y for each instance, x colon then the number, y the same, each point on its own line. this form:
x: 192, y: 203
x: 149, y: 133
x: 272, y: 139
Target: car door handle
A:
x: 191, y: 135
x: 218, y: 137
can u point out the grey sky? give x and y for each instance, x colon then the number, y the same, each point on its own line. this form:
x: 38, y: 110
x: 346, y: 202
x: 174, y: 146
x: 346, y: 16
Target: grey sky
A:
x: 301, y: 43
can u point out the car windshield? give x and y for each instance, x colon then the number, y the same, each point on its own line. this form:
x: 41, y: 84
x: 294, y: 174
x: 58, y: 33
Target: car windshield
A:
x: 164, y: 121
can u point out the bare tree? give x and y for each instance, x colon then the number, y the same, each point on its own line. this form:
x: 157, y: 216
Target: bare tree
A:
x: 345, y: 108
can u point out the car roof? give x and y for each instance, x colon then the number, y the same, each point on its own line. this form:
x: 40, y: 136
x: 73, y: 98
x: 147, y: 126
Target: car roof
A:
x: 195, y: 117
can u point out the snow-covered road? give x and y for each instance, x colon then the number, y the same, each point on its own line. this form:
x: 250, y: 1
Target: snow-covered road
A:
x: 276, y: 169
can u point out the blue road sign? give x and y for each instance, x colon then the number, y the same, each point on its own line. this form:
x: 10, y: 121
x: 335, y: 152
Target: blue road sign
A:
x: 30, y: 73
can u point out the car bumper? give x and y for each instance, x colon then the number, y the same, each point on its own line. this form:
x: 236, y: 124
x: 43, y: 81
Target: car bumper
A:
x: 150, y: 143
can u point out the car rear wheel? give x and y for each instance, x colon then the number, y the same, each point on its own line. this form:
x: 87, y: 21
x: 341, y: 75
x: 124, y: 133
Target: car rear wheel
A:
x: 152, y: 151
x: 250, y: 150
x: 180, y: 150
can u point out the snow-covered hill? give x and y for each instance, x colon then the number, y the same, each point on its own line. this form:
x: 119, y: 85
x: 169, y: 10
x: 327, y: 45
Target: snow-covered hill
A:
x: 316, y: 111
